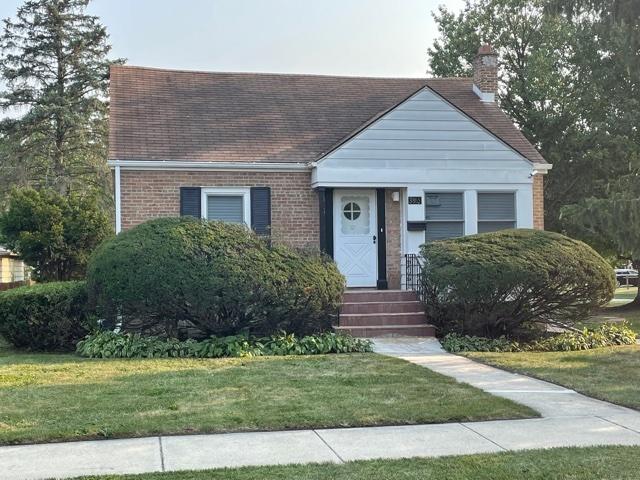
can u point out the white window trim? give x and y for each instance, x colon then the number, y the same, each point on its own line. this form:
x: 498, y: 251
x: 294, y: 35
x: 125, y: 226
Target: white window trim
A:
x: 245, y: 192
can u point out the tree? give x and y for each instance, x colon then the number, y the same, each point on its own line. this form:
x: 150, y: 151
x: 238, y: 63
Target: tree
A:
x: 54, y: 233
x: 53, y: 60
x: 614, y: 220
x: 569, y: 78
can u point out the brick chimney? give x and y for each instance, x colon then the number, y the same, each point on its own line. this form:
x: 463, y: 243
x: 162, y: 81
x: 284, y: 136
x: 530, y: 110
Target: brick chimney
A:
x: 485, y: 73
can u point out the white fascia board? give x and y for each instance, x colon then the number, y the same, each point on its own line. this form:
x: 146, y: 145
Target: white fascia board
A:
x: 541, y: 168
x: 359, y: 178
x: 212, y: 166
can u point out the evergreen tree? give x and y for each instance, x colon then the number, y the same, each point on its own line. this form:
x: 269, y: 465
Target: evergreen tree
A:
x: 53, y: 61
x: 613, y: 220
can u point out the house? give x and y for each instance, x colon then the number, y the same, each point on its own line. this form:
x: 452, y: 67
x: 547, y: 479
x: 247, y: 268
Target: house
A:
x: 13, y: 271
x: 366, y: 169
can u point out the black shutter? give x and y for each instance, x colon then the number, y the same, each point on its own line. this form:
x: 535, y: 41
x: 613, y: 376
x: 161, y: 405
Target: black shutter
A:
x: 325, y: 199
x: 382, y: 283
x: 261, y: 210
x: 190, y: 201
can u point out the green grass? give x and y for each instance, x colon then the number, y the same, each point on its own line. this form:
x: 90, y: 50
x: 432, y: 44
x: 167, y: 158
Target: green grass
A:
x: 631, y: 316
x: 598, y: 463
x: 625, y: 293
x: 620, y: 309
x: 611, y: 374
x: 63, y: 397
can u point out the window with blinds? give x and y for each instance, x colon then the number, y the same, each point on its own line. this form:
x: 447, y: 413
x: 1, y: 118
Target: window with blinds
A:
x: 496, y: 211
x: 444, y: 214
x: 226, y: 208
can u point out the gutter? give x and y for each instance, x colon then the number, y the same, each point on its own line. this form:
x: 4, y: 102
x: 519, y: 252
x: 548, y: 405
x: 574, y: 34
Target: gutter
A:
x: 211, y: 166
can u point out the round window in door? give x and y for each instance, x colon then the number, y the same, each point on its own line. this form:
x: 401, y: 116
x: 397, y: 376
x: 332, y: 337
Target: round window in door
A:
x: 355, y: 215
x: 352, y: 211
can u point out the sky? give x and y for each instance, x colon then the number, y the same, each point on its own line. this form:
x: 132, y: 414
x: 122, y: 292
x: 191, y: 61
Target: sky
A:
x: 382, y: 38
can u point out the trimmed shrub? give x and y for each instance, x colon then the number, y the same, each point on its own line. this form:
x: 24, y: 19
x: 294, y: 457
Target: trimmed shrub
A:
x: 606, y: 335
x: 512, y: 282
x: 46, y: 317
x: 217, y: 277
x: 134, y: 345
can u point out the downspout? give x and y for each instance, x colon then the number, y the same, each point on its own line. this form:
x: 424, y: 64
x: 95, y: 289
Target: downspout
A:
x: 117, y: 195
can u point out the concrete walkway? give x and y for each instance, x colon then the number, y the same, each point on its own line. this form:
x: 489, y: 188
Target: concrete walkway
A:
x: 569, y: 419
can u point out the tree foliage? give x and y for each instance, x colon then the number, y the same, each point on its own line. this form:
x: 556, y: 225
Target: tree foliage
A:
x: 612, y: 220
x: 569, y: 77
x: 53, y: 233
x: 511, y: 281
x: 53, y: 61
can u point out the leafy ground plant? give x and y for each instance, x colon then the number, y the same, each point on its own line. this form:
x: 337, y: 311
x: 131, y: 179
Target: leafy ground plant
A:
x: 605, y: 335
x: 133, y: 345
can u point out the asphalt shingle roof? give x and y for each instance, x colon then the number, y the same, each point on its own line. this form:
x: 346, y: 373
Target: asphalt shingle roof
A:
x: 249, y: 117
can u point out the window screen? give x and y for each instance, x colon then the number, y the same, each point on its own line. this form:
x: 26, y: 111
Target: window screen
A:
x: 227, y: 208
x: 496, y: 211
x: 444, y: 213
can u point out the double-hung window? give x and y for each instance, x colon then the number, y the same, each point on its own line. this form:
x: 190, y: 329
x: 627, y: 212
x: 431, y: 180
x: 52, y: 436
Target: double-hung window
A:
x: 444, y: 215
x: 227, y: 204
x: 496, y: 211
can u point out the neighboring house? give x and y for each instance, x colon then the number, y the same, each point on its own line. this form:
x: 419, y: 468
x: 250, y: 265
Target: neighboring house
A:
x: 366, y: 169
x: 13, y: 271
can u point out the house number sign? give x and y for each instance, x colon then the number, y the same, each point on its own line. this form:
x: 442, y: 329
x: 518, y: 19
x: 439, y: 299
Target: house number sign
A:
x: 415, y: 200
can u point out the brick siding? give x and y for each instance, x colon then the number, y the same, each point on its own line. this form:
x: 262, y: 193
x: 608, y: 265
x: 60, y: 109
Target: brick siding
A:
x: 538, y: 202
x: 294, y: 205
x: 392, y: 220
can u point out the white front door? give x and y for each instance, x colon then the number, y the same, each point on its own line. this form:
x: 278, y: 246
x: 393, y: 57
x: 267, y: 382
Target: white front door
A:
x: 354, y: 231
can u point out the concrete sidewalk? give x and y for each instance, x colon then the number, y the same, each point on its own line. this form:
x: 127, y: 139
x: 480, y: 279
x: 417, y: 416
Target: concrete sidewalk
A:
x: 569, y: 419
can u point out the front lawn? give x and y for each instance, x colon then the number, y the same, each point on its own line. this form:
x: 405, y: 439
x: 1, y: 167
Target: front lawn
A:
x: 611, y: 374
x: 625, y: 293
x: 620, y: 308
x: 46, y: 397
x: 599, y: 463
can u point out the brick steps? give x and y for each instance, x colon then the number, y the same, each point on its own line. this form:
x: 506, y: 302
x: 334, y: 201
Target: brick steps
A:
x: 381, y: 307
x: 359, y: 296
x: 380, y: 313
x: 379, y: 319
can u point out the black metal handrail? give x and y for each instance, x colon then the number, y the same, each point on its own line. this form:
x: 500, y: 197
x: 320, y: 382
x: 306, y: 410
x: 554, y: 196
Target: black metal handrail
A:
x: 414, y: 274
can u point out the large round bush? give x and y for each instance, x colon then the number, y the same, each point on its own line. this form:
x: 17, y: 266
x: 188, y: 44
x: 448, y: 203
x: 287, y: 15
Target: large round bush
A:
x: 48, y: 316
x: 217, y: 277
x: 512, y: 282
